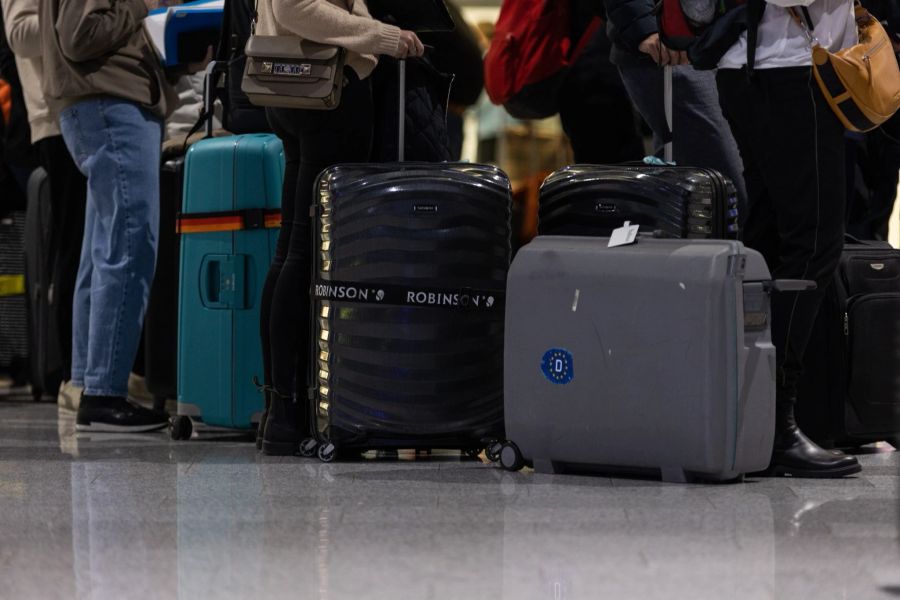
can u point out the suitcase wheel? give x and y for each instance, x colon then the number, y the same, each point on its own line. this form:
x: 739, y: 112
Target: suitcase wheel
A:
x: 510, y: 457
x: 327, y: 452
x: 493, y: 450
x: 309, y: 447
x: 182, y: 428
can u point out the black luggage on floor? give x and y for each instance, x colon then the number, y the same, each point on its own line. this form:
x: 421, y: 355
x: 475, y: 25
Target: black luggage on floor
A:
x: 13, y: 299
x: 410, y: 264
x: 680, y: 202
x: 44, y: 336
x: 161, y: 320
x: 850, y: 393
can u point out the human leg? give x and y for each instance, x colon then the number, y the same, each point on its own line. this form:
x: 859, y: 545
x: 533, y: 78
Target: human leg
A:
x: 116, y: 145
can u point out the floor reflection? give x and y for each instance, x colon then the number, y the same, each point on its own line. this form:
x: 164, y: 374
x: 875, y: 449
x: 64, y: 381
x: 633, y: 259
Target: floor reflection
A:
x: 98, y: 517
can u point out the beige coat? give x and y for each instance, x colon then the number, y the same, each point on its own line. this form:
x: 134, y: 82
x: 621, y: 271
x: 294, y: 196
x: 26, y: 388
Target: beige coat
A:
x: 24, y: 35
x: 330, y: 22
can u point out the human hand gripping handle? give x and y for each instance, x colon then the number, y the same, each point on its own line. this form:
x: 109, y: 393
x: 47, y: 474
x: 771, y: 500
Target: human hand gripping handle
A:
x: 660, y: 54
x: 409, y: 45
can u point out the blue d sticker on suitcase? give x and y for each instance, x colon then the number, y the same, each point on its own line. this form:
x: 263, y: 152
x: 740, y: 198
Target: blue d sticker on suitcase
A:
x: 558, y: 366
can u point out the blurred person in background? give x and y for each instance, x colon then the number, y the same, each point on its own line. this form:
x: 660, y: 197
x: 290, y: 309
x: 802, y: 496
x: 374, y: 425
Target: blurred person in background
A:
x: 68, y: 187
x: 596, y: 113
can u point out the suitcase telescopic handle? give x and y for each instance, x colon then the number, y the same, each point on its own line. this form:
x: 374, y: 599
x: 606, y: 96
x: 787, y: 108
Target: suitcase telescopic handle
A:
x: 790, y: 285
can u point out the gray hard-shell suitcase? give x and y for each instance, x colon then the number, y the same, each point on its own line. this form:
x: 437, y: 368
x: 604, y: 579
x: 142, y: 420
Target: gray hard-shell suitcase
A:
x: 651, y: 357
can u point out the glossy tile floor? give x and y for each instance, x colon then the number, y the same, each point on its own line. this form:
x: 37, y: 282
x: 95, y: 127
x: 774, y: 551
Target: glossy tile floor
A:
x: 107, y: 516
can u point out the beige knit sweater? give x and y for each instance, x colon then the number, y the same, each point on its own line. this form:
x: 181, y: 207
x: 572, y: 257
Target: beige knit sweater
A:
x: 331, y: 22
x: 23, y: 32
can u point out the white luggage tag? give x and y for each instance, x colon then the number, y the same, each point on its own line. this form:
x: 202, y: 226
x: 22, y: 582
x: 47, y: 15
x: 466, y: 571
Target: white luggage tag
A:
x: 627, y: 234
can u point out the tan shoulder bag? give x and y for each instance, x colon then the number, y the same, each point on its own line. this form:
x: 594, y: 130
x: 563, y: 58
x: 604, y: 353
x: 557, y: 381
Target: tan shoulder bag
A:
x: 861, y: 83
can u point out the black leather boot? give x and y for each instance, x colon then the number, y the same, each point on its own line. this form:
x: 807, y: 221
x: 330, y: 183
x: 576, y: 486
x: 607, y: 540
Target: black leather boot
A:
x: 796, y: 455
x: 284, y: 428
x: 261, y: 428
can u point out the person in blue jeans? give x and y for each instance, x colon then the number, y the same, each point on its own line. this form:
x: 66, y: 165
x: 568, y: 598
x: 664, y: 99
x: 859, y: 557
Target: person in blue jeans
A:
x: 113, y: 99
x: 700, y: 134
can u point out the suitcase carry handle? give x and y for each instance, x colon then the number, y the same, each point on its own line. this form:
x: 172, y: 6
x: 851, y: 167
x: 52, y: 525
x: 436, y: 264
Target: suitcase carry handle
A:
x: 790, y: 285
x: 222, y: 282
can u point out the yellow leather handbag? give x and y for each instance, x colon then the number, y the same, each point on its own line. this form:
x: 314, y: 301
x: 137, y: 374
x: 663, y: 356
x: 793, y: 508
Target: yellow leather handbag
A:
x: 861, y: 83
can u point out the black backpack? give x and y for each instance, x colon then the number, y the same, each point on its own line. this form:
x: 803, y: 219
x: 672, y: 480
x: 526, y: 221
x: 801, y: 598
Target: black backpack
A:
x: 224, y: 83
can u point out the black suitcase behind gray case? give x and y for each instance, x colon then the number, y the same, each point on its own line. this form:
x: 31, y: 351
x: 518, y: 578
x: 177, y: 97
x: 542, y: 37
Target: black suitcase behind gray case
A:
x: 679, y: 202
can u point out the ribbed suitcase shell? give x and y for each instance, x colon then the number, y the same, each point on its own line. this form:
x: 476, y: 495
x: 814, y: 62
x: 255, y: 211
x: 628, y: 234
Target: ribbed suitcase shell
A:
x: 680, y: 202
x: 410, y: 376
x: 221, y: 278
x: 46, y: 354
x: 654, y: 364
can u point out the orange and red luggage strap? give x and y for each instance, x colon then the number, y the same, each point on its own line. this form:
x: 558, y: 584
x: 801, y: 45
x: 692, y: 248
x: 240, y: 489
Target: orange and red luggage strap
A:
x: 236, y: 220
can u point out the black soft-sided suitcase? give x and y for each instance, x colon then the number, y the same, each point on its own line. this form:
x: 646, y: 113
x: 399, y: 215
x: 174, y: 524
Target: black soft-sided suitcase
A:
x: 407, y: 325
x: 13, y: 299
x: 680, y: 202
x: 161, y: 320
x: 44, y: 337
x: 850, y: 392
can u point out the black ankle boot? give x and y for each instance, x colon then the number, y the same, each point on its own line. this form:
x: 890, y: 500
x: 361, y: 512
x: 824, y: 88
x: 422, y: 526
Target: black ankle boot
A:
x: 261, y: 428
x: 795, y: 454
x: 283, y: 431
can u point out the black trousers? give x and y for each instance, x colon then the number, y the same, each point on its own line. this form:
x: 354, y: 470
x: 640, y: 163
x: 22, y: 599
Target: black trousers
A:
x: 792, y: 148
x: 595, y: 110
x: 313, y: 141
x: 68, y: 189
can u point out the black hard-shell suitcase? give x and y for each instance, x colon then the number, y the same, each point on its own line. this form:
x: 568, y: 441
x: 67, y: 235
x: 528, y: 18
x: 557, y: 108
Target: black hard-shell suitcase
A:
x: 850, y: 392
x: 161, y: 320
x: 44, y: 335
x: 408, y: 312
x: 13, y: 299
x: 680, y: 202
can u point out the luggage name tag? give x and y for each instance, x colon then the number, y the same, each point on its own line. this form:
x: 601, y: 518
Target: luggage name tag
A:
x: 627, y: 234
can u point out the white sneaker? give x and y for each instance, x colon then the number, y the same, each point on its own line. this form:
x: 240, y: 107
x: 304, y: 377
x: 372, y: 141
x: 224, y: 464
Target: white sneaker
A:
x: 69, y: 396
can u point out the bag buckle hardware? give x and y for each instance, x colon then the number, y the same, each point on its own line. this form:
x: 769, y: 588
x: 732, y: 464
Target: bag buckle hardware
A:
x: 254, y: 218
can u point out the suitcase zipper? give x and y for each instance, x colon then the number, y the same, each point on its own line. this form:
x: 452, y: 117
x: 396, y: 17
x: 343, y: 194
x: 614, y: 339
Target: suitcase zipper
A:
x: 846, y: 324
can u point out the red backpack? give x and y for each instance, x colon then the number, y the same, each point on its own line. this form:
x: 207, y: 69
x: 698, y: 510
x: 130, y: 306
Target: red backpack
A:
x: 529, y: 55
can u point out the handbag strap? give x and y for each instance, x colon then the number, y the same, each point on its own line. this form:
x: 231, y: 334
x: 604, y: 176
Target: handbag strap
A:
x: 806, y: 23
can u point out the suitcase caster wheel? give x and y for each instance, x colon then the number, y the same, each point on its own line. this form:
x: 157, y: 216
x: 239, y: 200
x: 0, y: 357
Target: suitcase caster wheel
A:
x: 493, y: 451
x: 182, y: 428
x: 308, y: 447
x: 327, y: 452
x: 510, y: 457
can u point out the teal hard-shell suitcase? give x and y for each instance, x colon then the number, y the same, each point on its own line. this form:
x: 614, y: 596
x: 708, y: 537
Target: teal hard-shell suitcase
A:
x: 232, y: 199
